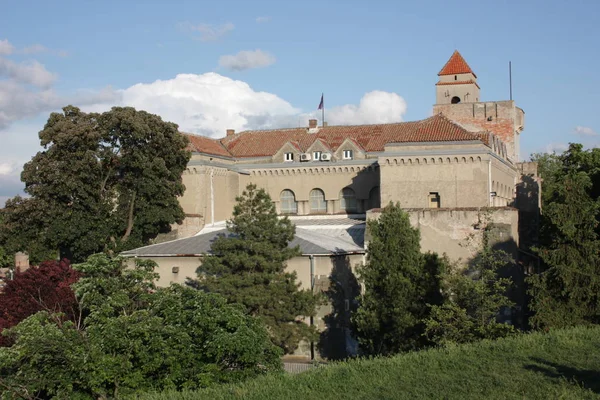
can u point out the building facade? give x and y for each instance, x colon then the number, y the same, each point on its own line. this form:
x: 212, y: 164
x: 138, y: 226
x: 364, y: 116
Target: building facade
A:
x: 454, y: 172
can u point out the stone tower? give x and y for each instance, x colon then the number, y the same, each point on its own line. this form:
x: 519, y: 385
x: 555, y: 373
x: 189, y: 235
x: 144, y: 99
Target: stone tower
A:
x: 457, y: 97
x: 458, y: 83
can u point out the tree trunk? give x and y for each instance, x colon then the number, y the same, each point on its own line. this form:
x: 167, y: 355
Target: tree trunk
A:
x: 129, y: 219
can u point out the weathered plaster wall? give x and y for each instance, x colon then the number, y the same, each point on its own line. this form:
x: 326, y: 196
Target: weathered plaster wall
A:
x: 458, y: 232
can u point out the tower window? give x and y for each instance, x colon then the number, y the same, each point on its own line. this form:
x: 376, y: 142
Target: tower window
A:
x: 455, y: 100
x: 455, y: 77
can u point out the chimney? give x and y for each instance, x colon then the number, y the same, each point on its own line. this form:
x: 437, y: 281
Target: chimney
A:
x: 312, y: 123
x: 230, y: 132
x: 21, y: 261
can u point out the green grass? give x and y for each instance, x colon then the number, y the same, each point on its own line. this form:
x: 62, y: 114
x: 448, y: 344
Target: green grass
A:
x: 563, y: 364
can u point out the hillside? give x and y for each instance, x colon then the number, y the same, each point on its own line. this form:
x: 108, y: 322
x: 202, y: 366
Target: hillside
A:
x: 561, y: 364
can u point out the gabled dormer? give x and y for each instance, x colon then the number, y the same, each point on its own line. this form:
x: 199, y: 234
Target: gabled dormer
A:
x: 350, y: 149
x: 457, y: 82
x: 288, y: 153
x: 317, y: 148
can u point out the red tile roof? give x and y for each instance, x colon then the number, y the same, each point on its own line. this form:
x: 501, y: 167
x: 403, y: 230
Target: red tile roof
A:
x: 456, y: 65
x: 202, y: 144
x: 371, y: 138
x: 458, y: 83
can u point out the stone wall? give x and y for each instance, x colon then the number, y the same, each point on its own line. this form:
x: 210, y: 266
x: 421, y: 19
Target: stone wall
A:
x: 503, y: 118
x: 457, y: 232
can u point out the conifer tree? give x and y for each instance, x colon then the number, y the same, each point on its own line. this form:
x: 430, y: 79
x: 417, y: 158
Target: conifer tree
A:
x: 397, y: 281
x: 248, y: 268
x: 567, y: 291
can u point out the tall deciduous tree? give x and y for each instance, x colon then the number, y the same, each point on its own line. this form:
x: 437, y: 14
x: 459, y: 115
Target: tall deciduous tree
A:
x: 473, y: 300
x: 103, y: 182
x: 248, y: 268
x: 399, y: 282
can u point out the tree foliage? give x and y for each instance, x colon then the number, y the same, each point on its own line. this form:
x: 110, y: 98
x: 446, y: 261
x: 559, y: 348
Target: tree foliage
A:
x: 473, y: 298
x: 566, y: 291
x: 248, y: 268
x: 399, y: 282
x: 133, y: 337
x: 43, y: 288
x: 104, y: 182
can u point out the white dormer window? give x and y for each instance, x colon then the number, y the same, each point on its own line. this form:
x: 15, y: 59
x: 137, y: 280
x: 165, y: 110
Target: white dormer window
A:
x: 347, y: 154
x: 288, y: 157
x: 316, y: 155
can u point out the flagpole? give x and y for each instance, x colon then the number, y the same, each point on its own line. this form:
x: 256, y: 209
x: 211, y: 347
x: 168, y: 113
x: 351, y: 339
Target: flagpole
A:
x: 323, y: 110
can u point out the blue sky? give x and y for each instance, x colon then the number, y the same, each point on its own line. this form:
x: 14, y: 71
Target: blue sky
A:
x: 376, y: 61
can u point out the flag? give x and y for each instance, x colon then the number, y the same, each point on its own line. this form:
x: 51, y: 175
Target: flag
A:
x: 320, y: 104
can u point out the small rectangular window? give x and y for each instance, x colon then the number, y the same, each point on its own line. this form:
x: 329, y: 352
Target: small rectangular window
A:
x: 316, y: 155
x: 289, y: 157
x: 434, y: 200
x: 347, y: 154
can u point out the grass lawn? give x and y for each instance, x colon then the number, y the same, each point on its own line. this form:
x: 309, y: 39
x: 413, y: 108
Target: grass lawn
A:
x: 563, y: 364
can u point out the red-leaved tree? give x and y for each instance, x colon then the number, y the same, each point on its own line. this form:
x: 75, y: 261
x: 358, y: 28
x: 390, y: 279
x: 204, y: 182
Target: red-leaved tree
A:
x: 46, y: 287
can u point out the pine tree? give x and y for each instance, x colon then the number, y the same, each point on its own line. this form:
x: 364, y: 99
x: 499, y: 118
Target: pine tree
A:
x: 248, y: 268
x: 567, y: 291
x: 398, y: 281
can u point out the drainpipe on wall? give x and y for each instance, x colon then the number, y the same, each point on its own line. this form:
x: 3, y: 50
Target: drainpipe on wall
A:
x: 212, y: 199
x: 490, y: 198
x: 312, y: 290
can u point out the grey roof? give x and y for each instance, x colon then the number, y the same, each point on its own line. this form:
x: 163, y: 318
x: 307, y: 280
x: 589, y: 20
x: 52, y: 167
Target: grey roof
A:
x: 327, y: 241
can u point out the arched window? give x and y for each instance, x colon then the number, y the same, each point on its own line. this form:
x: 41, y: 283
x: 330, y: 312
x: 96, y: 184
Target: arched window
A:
x: 455, y: 100
x: 317, y: 201
x: 374, y: 198
x: 288, y: 202
x: 348, y: 200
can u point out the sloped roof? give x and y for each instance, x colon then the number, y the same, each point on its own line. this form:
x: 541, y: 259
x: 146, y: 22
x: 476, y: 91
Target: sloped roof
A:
x: 310, y: 242
x: 263, y: 143
x: 456, y: 65
x: 207, y: 145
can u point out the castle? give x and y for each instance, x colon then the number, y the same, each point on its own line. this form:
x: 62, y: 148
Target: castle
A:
x: 444, y: 170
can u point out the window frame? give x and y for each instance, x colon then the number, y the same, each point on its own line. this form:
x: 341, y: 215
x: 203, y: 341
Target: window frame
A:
x: 346, y: 199
x: 348, y: 154
x: 288, y: 157
x: 321, y: 200
x: 288, y: 201
x: 316, y: 155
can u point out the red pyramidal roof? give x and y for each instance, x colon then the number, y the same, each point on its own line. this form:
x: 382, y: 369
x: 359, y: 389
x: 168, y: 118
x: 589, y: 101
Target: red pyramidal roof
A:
x: 456, y: 65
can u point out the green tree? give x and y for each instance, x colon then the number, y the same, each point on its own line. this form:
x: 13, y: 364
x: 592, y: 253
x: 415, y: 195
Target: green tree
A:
x: 567, y: 290
x: 473, y: 298
x: 133, y: 337
x: 104, y: 182
x: 248, y: 268
x: 398, y: 282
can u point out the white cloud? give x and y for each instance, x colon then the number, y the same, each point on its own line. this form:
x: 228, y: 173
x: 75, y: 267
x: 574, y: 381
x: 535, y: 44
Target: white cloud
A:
x: 262, y: 20
x: 208, y: 32
x: 247, y: 59
x: 208, y: 103
x: 585, y: 131
x: 374, y: 107
x: 31, y: 72
x: 35, y: 49
x: 5, y: 47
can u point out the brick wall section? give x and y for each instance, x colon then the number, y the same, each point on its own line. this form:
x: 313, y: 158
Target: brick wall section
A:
x: 502, y: 118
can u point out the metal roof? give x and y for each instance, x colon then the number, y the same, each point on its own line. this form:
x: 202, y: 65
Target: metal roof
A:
x: 329, y: 241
